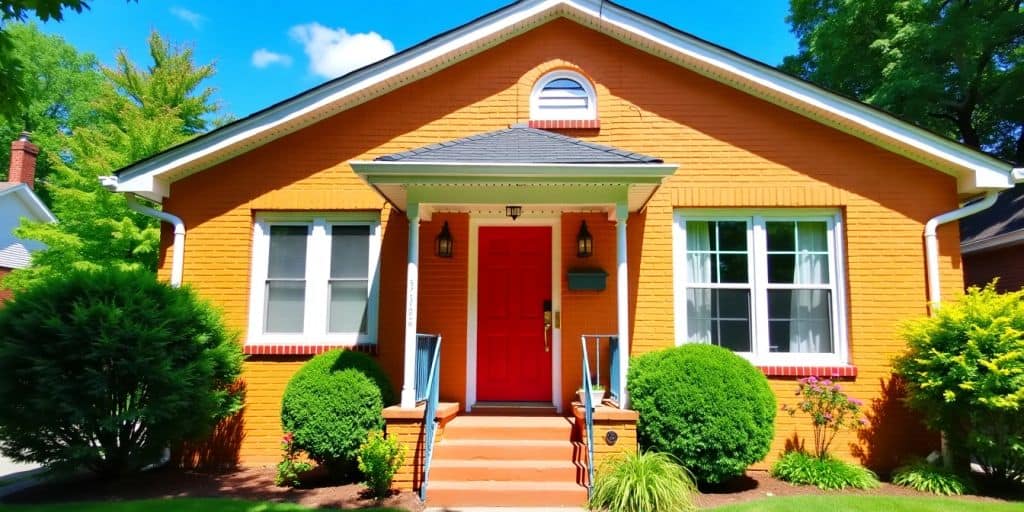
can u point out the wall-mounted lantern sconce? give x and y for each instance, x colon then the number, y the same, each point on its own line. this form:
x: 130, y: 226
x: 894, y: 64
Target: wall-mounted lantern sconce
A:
x: 443, y: 244
x: 584, y: 242
x: 513, y: 211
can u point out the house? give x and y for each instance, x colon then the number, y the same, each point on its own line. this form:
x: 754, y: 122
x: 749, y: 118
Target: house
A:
x: 18, y: 201
x: 991, y: 243
x: 481, y: 184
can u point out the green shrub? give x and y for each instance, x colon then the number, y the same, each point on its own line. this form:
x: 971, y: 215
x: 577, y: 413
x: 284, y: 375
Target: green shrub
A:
x: 105, y: 369
x: 290, y: 467
x: 706, y: 406
x: 644, y: 482
x: 964, y: 372
x: 332, y: 403
x: 829, y: 409
x: 927, y: 477
x: 379, y: 459
x: 825, y: 473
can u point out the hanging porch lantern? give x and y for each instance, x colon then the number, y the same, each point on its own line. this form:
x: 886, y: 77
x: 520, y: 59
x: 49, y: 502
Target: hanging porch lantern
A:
x: 443, y: 244
x: 584, y: 242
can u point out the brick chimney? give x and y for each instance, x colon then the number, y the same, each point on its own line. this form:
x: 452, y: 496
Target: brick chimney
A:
x: 23, y: 161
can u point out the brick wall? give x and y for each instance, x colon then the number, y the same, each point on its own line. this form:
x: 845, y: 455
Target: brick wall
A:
x: 733, y: 150
x: 4, y: 292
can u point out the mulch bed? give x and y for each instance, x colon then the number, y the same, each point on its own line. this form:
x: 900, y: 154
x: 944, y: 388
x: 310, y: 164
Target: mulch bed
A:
x: 255, y: 484
x: 758, y: 485
x: 258, y: 484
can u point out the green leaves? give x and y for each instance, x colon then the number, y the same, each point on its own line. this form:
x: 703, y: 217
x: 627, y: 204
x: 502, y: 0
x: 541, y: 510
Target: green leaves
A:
x: 823, y: 472
x: 643, y: 482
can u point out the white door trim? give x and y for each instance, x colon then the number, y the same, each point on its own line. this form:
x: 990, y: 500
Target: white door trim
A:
x: 555, y: 223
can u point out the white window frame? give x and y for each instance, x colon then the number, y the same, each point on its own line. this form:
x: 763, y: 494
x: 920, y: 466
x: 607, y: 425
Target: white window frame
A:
x: 757, y: 265
x: 318, y: 262
x: 540, y: 114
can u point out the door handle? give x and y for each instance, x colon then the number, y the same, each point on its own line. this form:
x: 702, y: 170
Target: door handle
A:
x: 547, y: 325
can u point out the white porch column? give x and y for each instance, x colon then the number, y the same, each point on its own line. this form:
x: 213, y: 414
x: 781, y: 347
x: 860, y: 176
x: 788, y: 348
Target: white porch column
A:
x: 622, y: 295
x: 411, y: 300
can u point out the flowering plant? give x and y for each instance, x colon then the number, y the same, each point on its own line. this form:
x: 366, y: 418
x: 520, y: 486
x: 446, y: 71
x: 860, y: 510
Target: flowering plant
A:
x: 290, y: 467
x: 830, y: 409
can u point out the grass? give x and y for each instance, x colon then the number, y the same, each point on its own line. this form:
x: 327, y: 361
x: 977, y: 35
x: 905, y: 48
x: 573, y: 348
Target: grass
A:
x: 174, y: 505
x: 836, y: 503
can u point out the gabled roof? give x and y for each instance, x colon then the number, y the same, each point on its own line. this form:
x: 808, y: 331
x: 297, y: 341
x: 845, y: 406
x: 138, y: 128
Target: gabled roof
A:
x: 17, y: 198
x: 1000, y: 225
x: 12, y: 191
x: 522, y: 145
x: 974, y: 170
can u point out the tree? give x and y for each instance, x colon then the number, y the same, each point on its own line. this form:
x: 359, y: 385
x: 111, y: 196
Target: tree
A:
x: 951, y: 66
x: 60, y: 85
x: 140, y: 112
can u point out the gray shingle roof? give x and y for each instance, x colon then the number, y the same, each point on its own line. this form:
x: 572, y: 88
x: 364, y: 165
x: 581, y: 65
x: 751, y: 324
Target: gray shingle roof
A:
x: 520, y: 145
x: 1006, y: 216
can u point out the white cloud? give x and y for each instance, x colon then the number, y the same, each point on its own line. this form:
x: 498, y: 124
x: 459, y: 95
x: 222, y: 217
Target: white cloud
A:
x: 334, y: 52
x: 191, y: 17
x: 264, y: 58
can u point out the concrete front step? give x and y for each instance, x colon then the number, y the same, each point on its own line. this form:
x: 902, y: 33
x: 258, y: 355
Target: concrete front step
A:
x: 506, y: 470
x: 478, y: 493
x: 541, y: 428
x: 489, y: 449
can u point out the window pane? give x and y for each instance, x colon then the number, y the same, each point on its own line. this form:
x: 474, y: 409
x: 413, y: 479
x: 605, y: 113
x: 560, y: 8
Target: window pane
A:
x: 287, y: 252
x: 733, y: 268
x: 563, y: 83
x: 781, y: 236
x: 350, y: 251
x: 800, y: 268
x: 700, y: 268
x: 780, y: 268
x: 698, y: 236
x: 732, y: 236
x: 721, y: 317
x: 812, y: 236
x: 285, y: 306
x: 348, y: 307
x: 800, y: 321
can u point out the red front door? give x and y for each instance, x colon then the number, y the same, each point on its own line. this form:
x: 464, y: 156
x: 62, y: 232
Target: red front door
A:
x: 513, y: 290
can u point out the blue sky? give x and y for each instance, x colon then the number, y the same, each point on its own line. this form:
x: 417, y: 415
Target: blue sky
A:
x: 266, y: 50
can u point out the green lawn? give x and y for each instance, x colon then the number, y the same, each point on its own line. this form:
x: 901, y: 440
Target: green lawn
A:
x: 175, y: 505
x: 869, y: 504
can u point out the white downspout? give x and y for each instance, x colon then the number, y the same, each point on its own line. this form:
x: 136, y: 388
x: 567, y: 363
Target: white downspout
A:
x: 931, y: 242
x: 178, y: 256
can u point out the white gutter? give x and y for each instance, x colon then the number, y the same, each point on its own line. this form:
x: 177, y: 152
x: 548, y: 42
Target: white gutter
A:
x: 178, y: 257
x: 1018, y: 174
x: 931, y: 241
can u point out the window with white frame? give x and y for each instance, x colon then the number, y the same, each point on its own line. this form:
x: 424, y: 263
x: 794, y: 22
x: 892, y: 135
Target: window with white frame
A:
x: 766, y: 285
x: 561, y: 96
x: 314, y: 279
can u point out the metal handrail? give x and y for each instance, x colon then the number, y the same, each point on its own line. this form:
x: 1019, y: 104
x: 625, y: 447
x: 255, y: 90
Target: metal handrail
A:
x: 430, y: 415
x: 588, y: 415
x: 613, y: 365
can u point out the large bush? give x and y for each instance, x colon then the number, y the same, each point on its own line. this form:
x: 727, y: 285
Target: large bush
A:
x: 105, y: 369
x: 706, y: 406
x: 964, y: 371
x: 331, y: 405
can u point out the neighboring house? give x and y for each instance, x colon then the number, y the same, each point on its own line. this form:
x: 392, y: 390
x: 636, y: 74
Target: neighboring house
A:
x: 992, y: 243
x: 18, y: 201
x: 728, y: 203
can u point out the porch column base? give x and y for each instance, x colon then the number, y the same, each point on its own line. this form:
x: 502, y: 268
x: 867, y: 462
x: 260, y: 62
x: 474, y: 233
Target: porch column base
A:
x: 621, y: 422
x: 406, y: 425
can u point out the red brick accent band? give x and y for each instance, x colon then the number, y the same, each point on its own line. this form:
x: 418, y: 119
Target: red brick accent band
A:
x: 807, y: 371
x: 302, y: 350
x: 573, y: 124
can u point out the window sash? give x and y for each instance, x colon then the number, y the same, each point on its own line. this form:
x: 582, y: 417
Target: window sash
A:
x: 318, y: 280
x: 760, y: 286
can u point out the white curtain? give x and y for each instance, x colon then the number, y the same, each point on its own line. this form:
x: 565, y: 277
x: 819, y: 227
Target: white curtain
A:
x: 809, y: 310
x: 698, y: 301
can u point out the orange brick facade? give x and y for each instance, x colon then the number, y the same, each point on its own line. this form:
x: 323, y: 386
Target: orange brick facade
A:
x: 733, y: 151
x: 4, y: 292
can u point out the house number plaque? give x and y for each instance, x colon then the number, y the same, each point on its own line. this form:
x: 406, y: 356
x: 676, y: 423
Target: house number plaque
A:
x: 611, y: 437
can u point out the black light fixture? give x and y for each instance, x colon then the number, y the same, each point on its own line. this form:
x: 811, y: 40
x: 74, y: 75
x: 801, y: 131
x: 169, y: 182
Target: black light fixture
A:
x: 584, y: 242
x: 443, y: 244
x: 513, y: 211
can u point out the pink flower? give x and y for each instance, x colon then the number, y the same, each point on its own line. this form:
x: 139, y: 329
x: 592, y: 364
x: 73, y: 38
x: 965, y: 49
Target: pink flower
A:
x: 856, y: 402
x: 863, y: 421
x: 288, y: 438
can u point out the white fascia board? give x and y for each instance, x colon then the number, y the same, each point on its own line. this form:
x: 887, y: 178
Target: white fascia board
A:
x: 31, y: 201
x: 640, y: 172
x: 988, y: 172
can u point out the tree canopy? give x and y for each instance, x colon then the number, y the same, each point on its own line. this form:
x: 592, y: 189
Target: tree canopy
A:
x: 951, y: 66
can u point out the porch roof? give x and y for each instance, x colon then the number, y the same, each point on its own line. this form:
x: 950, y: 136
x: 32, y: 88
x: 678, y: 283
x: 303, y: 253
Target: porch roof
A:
x: 516, y: 165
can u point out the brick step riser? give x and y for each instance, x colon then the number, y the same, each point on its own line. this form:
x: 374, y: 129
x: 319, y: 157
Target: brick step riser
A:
x: 486, y: 497
x: 507, y: 433
x: 498, y: 451
x: 568, y: 473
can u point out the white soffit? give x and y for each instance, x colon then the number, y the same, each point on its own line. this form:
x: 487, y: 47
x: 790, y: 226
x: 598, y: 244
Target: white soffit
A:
x: 974, y: 170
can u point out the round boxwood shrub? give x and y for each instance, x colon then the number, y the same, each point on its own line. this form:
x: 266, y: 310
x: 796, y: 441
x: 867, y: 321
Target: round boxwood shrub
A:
x: 105, y: 369
x: 332, y: 403
x: 703, y: 404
